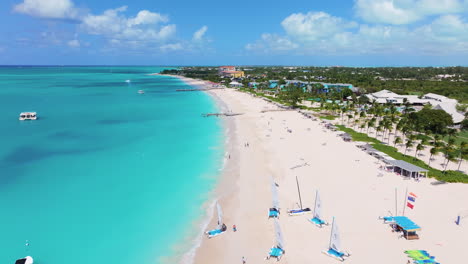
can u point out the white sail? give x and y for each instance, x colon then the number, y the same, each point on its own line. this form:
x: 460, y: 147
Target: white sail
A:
x: 335, y: 242
x: 274, y: 193
x: 220, y: 216
x: 318, y: 207
x: 279, y: 235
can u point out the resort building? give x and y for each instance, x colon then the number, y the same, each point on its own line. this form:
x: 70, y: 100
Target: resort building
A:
x: 230, y: 71
x: 437, y: 101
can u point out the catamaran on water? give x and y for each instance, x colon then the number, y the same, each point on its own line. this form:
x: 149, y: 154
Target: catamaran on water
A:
x: 274, y: 211
x: 301, y: 210
x: 334, y: 248
x: 25, y: 260
x: 221, y: 228
x: 28, y: 116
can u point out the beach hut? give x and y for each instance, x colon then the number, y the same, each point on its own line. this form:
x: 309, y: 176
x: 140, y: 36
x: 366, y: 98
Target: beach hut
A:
x: 407, y: 169
x: 405, y: 225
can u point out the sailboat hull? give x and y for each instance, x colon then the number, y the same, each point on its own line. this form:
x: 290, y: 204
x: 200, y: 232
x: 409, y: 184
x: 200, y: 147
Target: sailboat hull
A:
x: 295, y: 212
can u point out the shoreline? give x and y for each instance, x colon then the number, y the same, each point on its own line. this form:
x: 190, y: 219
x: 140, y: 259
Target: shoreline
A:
x: 352, y: 188
x: 225, y: 184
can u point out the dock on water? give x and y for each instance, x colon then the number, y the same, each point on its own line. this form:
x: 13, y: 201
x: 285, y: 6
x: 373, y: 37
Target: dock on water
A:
x: 221, y: 114
x: 197, y: 89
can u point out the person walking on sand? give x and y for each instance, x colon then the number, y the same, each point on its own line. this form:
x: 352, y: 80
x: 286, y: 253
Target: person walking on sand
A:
x: 244, y: 260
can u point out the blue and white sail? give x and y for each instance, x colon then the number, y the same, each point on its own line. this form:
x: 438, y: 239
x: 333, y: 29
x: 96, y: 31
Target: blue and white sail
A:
x: 220, y: 216
x: 335, y: 240
x: 334, y: 248
x: 221, y: 227
x: 318, y: 206
x: 277, y: 251
x: 274, y: 211
x: 279, y: 235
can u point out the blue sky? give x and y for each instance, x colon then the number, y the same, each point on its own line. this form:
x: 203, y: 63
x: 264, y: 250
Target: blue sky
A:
x: 293, y: 32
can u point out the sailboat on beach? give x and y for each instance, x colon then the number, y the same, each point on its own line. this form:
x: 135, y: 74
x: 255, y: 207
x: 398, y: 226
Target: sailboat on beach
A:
x: 221, y: 228
x: 334, y: 248
x: 318, y: 219
x: 277, y: 251
x: 301, y: 210
x: 274, y: 211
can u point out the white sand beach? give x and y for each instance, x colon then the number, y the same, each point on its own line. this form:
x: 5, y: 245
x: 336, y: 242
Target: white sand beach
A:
x: 349, y: 185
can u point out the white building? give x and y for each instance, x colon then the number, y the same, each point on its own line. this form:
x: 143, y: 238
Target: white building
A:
x: 437, y: 101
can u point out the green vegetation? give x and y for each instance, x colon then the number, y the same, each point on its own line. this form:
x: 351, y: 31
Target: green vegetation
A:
x: 432, y: 120
x: 448, y: 176
x: 356, y: 136
x: 328, y: 117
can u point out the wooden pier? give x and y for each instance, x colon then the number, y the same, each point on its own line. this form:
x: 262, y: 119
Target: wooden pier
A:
x: 198, y: 89
x: 221, y: 114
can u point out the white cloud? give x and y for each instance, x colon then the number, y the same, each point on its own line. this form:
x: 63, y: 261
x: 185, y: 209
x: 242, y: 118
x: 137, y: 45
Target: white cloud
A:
x: 321, y: 33
x: 54, y: 9
x: 114, y: 25
x: 272, y: 42
x: 171, y: 47
x: 73, y: 43
x: 314, y: 25
x: 400, y: 12
x: 198, y: 35
x: 145, y: 17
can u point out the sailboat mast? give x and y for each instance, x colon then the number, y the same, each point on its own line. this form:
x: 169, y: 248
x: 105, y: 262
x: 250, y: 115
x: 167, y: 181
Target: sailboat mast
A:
x: 331, y: 233
x: 315, y: 205
x: 299, y: 192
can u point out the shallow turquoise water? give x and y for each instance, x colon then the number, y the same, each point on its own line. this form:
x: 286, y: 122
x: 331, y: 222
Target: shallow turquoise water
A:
x: 106, y: 175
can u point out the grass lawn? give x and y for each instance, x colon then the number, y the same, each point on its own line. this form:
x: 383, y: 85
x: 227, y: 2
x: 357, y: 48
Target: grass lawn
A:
x: 460, y: 137
x: 356, y: 136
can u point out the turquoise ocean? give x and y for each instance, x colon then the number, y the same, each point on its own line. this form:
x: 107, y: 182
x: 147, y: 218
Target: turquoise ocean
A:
x: 106, y: 175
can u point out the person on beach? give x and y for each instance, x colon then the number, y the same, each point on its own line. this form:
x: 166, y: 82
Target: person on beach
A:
x: 234, y: 228
x: 244, y: 260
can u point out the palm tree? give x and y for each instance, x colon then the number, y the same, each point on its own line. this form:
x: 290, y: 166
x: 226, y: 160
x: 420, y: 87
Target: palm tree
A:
x: 463, y: 153
x: 409, y: 144
x: 397, y: 141
x: 379, y: 129
x: 419, y: 147
x: 450, y: 157
x: 433, y: 151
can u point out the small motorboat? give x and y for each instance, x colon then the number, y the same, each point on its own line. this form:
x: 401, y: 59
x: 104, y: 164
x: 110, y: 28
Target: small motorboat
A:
x: 28, y: 116
x: 25, y: 260
x: 141, y: 91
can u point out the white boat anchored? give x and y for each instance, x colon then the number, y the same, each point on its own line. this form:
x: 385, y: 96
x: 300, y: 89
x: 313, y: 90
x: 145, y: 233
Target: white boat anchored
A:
x: 28, y: 116
x: 25, y: 260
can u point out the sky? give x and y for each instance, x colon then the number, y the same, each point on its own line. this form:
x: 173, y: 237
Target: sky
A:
x: 253, y: 32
